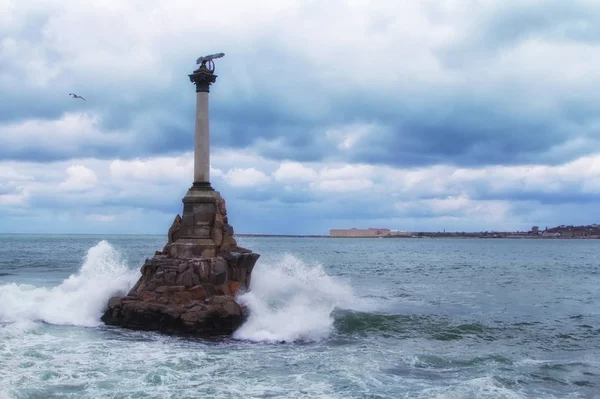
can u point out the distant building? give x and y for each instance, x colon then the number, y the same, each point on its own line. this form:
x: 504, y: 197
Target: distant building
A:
x: 400, y: 234
x: 535, y: 230
x: 549, y: 234
x: 357, y: 233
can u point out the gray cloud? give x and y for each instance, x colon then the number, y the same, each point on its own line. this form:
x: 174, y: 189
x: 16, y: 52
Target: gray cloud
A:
x: 393, y: 84
x: 281, y: 103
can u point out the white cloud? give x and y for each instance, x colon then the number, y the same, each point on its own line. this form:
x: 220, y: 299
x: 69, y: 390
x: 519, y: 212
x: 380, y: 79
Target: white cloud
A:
x: 245, y: 177
x: 400, y: 44
x: 18, y: 197
x: 68, y: 134
x: 8, y: 173
x: 174, y: 169
x: 439, y: 195
x: 102, y: 218
x: 215, y: 172
x: 79, y: 178
x: 347, y: 171
x: 347, y: 137
x: 419, y: 56
x: 342, y: 186
x: 294, y: 172
x: 224, y: 159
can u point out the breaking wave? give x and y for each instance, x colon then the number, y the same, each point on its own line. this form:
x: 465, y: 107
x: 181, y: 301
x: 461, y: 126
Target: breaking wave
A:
x: 79, y: 300
x: 293, y: 301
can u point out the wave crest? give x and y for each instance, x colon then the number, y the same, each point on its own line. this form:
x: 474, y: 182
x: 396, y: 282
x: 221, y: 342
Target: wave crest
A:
x: 292, y: 301
x: 79, y: 300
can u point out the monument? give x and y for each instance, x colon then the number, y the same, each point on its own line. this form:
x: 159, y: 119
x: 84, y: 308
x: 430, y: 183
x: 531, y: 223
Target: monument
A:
x: 189, y: 287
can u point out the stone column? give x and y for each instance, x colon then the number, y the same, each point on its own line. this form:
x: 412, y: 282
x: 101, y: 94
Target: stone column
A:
x: 203, y: 77
x: 202, y: 141
x: 195, y: 232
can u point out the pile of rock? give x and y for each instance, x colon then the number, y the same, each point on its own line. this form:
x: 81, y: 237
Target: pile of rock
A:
x: 189, y: 287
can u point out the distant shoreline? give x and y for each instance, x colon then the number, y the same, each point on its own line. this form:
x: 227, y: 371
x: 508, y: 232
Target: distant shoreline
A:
x: 423, y: 236
x: 414, y: 237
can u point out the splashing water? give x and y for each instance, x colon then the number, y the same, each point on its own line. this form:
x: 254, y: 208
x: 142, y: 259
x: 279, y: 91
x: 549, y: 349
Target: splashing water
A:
x: 79, y: 300
x: 291, y: 301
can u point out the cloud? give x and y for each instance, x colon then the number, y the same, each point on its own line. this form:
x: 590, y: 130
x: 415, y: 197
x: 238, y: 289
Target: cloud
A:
x: 40, y: 139
x: 245, y: 177
x: 79, y: 178
x: 468, y: 83
x: 290, y: 172
x: 430, y: 110
x: 342, y: 185
x: 101, y: 218
x: 309, y: 197
x: 158, y: 169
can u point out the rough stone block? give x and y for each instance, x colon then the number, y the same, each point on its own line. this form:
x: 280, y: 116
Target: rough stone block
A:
x: 183, y: 266
x: 182, y: 297
x: 184, y: 231
x: 220, y: 278
x: 201, y: 231
x: 190, y: 317
x: 223, y: 207
x: 147, y: 296
x: 219, y: 265
x: 187, y: 219
x: 189, y: 248
x: 228, y: 229
x: 217, y: 236
x: 198, y: 293
x: 242, y: 277
x: 223, y: 289
x: 115, y: 302
x: 234, y: 273
x: 208, y: 252
x: 204, y: 217
x: 232, y: 308
x: 174, y: 229
x: 247, y: 261
x: 228, y: 243
x: 170, y: 277
x: 234, y: 287
x: 173, y: 311
x: 188, y: 279
x: 201, y: 269
x: 209, y: 289
x: 204, y: 208
x: 169, y: 288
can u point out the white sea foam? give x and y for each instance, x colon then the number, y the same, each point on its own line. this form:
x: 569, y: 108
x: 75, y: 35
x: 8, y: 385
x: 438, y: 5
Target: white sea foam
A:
x: 79, y: 300
x: 483, y: 387
x: 291, y: 300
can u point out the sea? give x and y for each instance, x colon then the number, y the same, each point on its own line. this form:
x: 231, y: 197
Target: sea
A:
x: 329, y: 318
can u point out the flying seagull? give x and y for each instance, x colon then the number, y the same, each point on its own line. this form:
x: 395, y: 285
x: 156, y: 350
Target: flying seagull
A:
x: 76, y: 96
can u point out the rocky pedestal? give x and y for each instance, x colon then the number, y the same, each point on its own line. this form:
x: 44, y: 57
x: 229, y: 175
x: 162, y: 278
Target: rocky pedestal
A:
x: 189, y: 287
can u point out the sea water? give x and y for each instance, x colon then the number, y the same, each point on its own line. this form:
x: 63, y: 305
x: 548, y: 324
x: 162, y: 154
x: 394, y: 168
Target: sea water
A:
x: 330, y: 318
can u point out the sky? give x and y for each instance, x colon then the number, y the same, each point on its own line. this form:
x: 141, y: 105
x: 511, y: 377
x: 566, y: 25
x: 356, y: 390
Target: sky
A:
x: 456, y: 115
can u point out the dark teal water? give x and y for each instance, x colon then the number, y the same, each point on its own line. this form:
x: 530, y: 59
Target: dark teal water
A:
x: 332, y: 318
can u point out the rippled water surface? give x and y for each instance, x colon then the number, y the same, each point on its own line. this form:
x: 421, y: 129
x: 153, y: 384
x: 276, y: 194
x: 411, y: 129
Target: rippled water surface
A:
x: 331, y: 318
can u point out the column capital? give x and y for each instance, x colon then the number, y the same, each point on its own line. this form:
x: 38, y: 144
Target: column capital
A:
x: 203, y: 78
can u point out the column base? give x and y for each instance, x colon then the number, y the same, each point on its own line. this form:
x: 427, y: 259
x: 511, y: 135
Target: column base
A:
x: 201, y: 185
